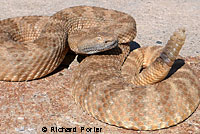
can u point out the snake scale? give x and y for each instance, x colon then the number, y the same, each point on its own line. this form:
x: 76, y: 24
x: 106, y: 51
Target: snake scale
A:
x: 137, y: 91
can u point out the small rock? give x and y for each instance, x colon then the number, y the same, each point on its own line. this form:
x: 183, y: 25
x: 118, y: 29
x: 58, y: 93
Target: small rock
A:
x: 158, y: 42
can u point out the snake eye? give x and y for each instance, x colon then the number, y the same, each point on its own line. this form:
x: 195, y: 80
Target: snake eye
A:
x: 106, y: 41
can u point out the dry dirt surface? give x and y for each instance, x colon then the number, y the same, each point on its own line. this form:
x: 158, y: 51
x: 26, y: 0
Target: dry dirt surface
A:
x: 30, y: 107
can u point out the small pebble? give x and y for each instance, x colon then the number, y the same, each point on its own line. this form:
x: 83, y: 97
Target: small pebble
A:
x: 158, y: 42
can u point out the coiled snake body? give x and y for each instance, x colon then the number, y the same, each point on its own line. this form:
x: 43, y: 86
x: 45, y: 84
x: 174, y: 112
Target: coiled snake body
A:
x: 134, y: 92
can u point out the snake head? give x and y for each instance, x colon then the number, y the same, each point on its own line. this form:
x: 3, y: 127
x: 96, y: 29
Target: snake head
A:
x: 90, y: 41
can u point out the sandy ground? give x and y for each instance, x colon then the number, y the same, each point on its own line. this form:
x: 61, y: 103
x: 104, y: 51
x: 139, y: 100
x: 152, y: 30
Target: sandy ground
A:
x: 48, y: 102
x: 156, y: 19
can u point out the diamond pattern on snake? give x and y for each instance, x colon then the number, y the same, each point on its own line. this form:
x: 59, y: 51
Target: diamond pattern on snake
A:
x: 147, y: 89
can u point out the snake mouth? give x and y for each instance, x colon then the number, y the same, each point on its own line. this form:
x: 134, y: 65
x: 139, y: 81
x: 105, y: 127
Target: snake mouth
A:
x: 99, y: 47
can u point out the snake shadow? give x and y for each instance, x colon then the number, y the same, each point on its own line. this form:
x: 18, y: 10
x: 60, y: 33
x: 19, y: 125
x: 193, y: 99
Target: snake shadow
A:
x: 133, y: 45
x: 70, y: 57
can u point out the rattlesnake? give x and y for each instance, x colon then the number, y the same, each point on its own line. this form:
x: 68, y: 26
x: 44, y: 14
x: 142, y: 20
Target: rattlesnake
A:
x: 33, y: 46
